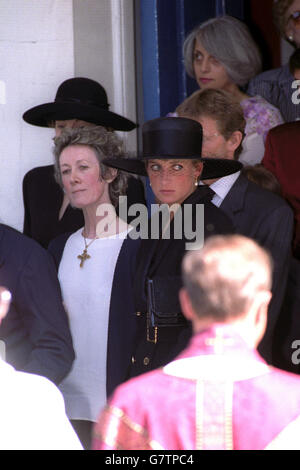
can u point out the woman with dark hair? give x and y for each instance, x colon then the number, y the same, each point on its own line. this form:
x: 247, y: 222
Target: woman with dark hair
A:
x: 220, y: 53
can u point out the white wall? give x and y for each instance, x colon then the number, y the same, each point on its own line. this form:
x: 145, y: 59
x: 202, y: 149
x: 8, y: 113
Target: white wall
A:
x: 36, y: 54
x: 42, y: 43
x: 104, y: 51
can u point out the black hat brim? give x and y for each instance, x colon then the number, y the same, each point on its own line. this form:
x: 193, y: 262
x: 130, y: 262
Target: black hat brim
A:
x: 212, y: 168
x: 44, y: 114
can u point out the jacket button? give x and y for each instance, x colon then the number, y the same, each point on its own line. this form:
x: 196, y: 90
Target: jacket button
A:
x: 133, y: 360
x: 146, y: 361
x: 138, y: 314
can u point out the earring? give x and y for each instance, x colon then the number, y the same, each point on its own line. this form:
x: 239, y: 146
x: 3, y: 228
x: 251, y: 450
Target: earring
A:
x: 290, y: 37
x: 196, y: 182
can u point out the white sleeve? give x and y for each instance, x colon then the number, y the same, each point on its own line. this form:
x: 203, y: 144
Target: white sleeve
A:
x: 57, y: 432
x: 253, y: 149
x: 288, y: 438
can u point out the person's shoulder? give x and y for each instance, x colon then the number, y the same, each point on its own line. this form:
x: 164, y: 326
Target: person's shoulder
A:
x: 59, y: 240
x: 260, y: 115
x: 262, y: 104
x: 33, y: 415
x: 290, y: 129
x: 38, y: 384
x: 286, y: 379
x: 272, y: 75
x: 258, y: 107
x: 40, y: 182
x: 19, y: 251
x: 32, y: 385
x: 132, y: 241
x: 9, y: 231
x: 39, y: 171
x: 17, y: 239
x: 141, y: 386
x: 263, y: 197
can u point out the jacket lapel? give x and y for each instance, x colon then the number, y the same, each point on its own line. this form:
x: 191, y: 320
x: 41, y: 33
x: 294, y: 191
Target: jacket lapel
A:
x: 157, y: 250
x: 235, y: 199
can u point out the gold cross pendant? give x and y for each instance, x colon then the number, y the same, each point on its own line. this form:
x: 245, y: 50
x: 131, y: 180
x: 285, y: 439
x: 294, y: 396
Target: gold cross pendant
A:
x: 84, y: 256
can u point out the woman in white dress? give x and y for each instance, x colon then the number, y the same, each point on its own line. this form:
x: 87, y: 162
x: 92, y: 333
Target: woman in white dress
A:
x: 94, y: 266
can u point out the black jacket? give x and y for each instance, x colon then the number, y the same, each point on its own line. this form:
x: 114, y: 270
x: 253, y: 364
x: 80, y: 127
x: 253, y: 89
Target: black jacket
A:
x: 35, y: 330
x: 162, y: 258
x: 266, y: 218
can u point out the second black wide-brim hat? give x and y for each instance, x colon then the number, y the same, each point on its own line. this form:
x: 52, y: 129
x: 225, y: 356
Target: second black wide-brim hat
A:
x: 174, y: 138
x: 78, y: 98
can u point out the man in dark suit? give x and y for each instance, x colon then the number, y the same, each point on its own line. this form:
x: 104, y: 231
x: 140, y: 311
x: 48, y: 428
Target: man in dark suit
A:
x: 35, y: 333
x: 255, y: 212
x: 282, y: 158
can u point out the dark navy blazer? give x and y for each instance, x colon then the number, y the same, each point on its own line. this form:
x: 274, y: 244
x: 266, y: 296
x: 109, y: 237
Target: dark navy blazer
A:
x: 35, y: 331
x: 262, y: 215
x: 122, y: 321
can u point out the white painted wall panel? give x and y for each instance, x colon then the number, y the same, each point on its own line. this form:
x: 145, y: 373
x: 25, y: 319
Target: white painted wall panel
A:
x: 104, y: 51
x: 36, y: 55
x: 42, y: 43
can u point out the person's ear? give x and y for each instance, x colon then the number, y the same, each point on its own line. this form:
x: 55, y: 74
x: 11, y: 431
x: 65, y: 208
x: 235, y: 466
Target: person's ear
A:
x: 186, y: 305
x: 198, y: 169
x: 260, y: 309
x: 234, y: 141
x: 289, y: 32
x: 111, y: 175
x: 5, y: 298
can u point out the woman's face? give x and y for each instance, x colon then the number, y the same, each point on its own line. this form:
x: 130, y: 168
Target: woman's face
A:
x: 172, y: 181
x: 209, y: 72
x: 292, y: 28
x: 81, y: 177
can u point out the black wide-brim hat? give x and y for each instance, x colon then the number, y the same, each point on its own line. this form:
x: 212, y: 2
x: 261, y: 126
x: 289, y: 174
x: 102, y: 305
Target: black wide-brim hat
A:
x: 78, y: 98
x: 174, y: 138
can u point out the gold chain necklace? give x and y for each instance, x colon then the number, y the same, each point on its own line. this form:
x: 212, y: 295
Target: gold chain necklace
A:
x: 84, y: 255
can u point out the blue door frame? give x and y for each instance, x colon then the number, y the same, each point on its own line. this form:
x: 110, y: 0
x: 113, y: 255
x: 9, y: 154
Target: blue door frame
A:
x: 162, y: 27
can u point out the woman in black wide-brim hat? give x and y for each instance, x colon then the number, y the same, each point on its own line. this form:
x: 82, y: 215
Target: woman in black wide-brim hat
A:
x: 79, y: 102
x: 172, y: 159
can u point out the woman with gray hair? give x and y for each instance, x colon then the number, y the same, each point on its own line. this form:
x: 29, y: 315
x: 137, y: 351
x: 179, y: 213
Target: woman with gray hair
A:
x: 220, y: 53
x: 95, y: 266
